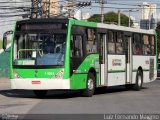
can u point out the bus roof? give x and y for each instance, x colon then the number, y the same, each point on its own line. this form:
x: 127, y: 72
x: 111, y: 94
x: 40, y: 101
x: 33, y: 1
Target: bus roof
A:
x: 123, y: 28
x: 35, y: 20
x: 91, y: 24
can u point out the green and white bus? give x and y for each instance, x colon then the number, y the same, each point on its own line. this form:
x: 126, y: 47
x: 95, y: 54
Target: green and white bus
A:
x: 68, y: 54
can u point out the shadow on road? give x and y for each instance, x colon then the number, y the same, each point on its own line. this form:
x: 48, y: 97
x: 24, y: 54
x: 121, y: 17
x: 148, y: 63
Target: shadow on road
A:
x: 54, y: 94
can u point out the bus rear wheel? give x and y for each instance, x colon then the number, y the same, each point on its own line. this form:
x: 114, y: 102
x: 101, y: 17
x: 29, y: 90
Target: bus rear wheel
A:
x: 90, y: 86
x: 40, y: 93
x: 139, y: 81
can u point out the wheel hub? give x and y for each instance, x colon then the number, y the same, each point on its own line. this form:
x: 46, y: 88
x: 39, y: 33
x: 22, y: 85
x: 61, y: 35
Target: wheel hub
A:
x: 90, y: 84
x: 139, y: 81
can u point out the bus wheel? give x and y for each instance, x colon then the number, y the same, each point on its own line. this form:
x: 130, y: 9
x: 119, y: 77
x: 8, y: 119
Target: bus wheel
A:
x: 40, y: 93
x: 139, y: 81
x: 90, y: 88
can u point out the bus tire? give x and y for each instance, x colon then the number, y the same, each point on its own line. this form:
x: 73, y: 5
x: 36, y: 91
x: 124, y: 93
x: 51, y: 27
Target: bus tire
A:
x: 90, y: 86
x: 139, y: 81
x: 40, y: 93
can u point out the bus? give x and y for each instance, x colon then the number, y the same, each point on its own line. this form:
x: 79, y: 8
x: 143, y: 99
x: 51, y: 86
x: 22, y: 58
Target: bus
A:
x: 68, y: 54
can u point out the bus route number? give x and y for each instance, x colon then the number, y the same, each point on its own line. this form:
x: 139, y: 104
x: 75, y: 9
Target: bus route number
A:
x: 49, y: 73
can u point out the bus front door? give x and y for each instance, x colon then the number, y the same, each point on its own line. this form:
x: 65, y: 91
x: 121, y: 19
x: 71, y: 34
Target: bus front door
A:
x: 103, y: 59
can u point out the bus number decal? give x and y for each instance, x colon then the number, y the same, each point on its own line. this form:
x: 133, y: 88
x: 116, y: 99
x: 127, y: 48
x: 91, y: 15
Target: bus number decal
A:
x: 49, y: 73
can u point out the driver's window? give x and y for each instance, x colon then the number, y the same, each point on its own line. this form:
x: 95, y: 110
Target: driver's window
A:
x: 76, y: 46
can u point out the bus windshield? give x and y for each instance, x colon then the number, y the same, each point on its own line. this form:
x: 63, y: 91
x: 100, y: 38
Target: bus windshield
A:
x: 39, y: 49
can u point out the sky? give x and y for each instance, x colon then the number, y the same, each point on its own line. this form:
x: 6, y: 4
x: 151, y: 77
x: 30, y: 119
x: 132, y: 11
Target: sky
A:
x: 7, y: 23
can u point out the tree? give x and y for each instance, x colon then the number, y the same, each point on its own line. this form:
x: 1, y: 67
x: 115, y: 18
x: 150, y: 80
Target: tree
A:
x: 158, y: 37
x: 111, y: 17
x: 158, y: 25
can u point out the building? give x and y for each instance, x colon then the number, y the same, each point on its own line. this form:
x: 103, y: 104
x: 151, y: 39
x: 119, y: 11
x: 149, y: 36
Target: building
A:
x: 149, y: 10
x: 50, y: 8
x: 69, y: 9
x: 149, y: 16
x: 54, y: 7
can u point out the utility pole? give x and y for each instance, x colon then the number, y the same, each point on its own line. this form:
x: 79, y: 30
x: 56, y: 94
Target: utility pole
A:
x: 129, y: 18
x: 102, y: 2
x: 119, y: 17
x: 45, y: 8
x: 36, y: 9
x: 102, y: 11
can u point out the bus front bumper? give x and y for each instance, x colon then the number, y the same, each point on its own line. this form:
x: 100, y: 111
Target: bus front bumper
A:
x: 40, y: 84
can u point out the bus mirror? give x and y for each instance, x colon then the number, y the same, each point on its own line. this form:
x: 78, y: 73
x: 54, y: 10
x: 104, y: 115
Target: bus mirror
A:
x: 4, y: 42
x: 5, y: 38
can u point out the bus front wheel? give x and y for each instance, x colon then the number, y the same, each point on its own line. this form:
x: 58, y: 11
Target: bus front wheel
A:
x: 139, y: 81
x: 90, y: 85
x: 40, y: 93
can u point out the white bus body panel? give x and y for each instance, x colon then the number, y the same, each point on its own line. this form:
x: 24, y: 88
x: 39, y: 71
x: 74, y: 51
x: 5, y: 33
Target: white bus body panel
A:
x: 120, y: 78
x: 40, y: 84
x: 116, y: 63
x: 144, y: 62
x: 116, y: 79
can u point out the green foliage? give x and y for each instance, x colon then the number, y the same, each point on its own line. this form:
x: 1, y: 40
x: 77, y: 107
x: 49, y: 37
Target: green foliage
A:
x: 158, y: 37
x: 158, y: 25
x: 111, y: 17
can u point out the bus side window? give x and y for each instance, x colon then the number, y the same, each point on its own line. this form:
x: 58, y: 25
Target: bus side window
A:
x: 72, y: 47
x: 152, y: 40
x: 91, y: 43
x: 119, y: 43
x: 137, y: 48
x: 111, y: 43
x: 146, y: 45
x: 76, y: 46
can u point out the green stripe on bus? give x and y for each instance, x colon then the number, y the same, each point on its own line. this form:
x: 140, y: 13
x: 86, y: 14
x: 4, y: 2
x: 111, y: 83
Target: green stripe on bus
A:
x: 82, y: 23
x: 116, y: 71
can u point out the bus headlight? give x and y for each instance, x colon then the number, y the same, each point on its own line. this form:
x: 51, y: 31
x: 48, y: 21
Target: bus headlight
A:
x: 16, y: 75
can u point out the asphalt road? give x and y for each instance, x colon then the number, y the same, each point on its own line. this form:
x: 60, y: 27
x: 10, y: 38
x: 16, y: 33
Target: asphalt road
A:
x: 112, y: 100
